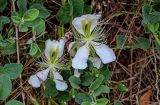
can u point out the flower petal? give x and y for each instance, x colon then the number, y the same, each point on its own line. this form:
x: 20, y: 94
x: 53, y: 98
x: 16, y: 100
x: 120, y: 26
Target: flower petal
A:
x: 61, y: 85
x: 42, y: 75
x: 61, y: 47
x: 94, y: 20
x: 81, y: 57
x: 57, y: 75
x: 77, y: 73
x: 34, y: 81
x: 50, y: 45
x: 105, y: 53
x: 78, y: 21
x: 96, y: 62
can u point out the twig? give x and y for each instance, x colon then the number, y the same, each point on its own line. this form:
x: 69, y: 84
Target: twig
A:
x: 18, y: 58
x: 157, y: 78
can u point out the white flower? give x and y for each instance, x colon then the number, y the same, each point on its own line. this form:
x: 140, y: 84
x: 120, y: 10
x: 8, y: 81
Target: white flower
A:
x: 81, y: 22
x: 53, y: 51
x: 36, y: 80
x: 105, y: 53
x: 91, y: 37
x: 54, y: 45
x: 96, y: 62
x: 81, y: 57
x: 60, y: 83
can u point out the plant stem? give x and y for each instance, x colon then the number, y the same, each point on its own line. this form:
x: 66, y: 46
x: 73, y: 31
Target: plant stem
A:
x: 18, y: 58
x: 62, y: 29
x: 157, y: 78
x: 49, y: 102
x: 63, y: 2
x: 156, y: 37
x: 54, y: 103
x: 74, y: 31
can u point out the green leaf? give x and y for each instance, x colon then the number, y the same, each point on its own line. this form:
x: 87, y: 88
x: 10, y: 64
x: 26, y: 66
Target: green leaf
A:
x: 11, y: 49
x: 2, y: 41
x: 43, y: 12
x: 14, y: 102
x: 105, y: 72
x: 78, y: 6
x: 12, y: 70
x: 87, y: 80
x: 23, y: 28
x: 5, y: 86
x: 66, y: 73
x: 33, y: 23
x: 145, y: 12
x: 10, y: 32
x: 153, y: 27
x: 16, y: 19
x: 50, y: 90
x: 142, y: 43
x: 22, y: 5
x: 87, y: 9
x: 95, y: 72
x: 117, y: 102
x: 39, y: 28
x: 86, y: 103
x: 64, y: 14
x: 74, y: 81
x: 8, y: 46
x: 63, y: 97
x: 37, y: 1
x: 69, y: 11
x: 31, y: 14
x: 82, y: 97
x: 73, y: 92
x: 90, y: 65
x: 96, y: 83
x: 101, y: 89
x: 157, y: 47
x: 120, y: 41
x: 3, y: 4
x: 3, y: 20
x: 150, y: 17
x: 102, y: 101
x: 156, y: 1
x: 122, y: 87
x: 33, y: 49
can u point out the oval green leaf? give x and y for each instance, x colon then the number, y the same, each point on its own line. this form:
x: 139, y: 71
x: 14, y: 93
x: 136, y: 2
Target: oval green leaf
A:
x: 14, y: 102
x: 5, y: 86
x: 31, y: 14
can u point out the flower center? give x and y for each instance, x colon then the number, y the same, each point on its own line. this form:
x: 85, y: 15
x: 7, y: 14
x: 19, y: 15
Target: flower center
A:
x: 86, y: 27
x: 53, y: 56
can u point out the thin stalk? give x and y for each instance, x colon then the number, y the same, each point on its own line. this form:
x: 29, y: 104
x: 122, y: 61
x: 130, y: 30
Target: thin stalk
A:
x: 93, y: 98
x: 49, y: 102
x: 156, y: 37
x: 74, y: 31
x: 62, y: 29
x: 34, y: 101
x: 18, y: 58
x: 63, y: 2
x: 157, y: 78
x: 52, y: 101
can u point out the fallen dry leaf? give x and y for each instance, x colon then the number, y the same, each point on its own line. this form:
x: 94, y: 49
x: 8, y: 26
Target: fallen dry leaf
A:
x: 145, y: 98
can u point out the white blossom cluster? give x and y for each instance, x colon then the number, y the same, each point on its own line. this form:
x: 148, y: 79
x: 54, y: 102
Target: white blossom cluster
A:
x: 90, y: 38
